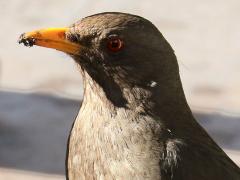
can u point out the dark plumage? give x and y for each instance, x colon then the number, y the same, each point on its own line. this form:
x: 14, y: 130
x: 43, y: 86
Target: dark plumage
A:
x: 134, y: 122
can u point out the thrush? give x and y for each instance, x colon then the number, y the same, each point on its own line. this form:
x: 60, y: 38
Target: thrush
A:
x: 134, y: 122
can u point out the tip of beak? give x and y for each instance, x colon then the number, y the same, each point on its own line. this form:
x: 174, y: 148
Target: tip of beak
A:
x: 27, y: 41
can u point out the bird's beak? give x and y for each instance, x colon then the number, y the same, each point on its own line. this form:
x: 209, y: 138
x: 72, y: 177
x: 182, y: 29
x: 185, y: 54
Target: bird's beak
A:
x: 50, y: 38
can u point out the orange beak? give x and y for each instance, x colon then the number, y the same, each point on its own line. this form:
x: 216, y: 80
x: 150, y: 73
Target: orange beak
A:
x: 50, y: 38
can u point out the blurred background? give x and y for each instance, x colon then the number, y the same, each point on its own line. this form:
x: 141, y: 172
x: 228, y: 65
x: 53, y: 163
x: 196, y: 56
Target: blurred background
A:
x: 41, y: 89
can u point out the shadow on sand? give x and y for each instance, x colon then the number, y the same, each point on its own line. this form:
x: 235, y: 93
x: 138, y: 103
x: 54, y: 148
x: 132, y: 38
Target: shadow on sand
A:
x: 34, y: 130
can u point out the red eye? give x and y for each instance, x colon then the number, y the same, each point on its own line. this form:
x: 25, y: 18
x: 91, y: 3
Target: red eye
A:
x: 115, y: 44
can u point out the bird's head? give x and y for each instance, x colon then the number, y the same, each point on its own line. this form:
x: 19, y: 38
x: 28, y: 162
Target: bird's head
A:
x: 124, y: 55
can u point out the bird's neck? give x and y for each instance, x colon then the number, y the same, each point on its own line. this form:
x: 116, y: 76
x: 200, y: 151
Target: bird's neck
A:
x: 165, y: 100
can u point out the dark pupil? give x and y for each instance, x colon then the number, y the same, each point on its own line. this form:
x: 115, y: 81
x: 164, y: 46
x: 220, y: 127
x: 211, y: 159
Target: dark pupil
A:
x: 115, y: 44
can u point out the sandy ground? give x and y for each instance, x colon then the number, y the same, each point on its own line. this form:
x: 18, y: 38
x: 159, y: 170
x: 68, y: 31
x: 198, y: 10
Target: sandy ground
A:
x: 9, y: 174
x: 40, y: 90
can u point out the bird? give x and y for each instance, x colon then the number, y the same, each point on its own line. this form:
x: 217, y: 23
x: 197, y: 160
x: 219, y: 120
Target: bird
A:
x: 134, y: 121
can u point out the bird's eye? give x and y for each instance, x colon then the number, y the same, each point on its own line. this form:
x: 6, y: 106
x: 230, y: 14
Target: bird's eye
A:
x: 115, y: 44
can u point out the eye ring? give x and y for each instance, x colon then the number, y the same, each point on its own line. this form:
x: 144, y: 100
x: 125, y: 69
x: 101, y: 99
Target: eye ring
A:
x: 115, y: 44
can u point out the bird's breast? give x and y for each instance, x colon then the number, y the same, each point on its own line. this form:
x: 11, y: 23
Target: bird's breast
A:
x: 107, y: 145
